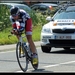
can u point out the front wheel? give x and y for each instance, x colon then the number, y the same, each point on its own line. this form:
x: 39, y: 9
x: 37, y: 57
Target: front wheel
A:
x: 21, y: 57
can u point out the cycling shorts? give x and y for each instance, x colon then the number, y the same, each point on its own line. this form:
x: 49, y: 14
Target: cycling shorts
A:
x: 28, y: 27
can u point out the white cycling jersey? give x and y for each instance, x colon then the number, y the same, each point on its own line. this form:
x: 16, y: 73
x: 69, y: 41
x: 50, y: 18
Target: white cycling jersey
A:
x: 23, y: 17
x: 24, y: 22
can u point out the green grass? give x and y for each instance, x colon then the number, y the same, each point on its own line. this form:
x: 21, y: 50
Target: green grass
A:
x: 36, y: 33
x: 5, y: 40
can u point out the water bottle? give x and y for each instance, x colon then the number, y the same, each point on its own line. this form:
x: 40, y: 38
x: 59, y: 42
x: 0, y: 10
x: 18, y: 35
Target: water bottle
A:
x: 26, y: 46
x: 29, y: 50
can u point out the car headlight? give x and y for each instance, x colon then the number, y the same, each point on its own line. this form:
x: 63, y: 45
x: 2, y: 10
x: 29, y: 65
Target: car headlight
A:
x: 46, y: 30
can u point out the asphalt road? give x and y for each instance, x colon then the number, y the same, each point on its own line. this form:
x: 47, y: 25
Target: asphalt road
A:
x: 13, y: 46
x: 58, y: 61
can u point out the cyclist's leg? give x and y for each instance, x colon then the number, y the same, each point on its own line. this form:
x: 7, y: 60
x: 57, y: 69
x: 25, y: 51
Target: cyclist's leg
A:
x: 28, y: 30
x: 31, y: 43
x: 33, y: 49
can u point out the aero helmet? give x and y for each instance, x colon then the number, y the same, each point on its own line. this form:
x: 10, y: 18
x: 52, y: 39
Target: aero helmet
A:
x: 14, y: 10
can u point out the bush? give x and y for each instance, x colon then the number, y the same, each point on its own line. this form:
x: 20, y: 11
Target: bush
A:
x: 4, y: 17
x: 37, y: 18
x: 5, y: 25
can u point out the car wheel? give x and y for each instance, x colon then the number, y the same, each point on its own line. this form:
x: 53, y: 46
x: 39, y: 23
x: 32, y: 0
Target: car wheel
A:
x: 66, y: 48
x: 46, y: 49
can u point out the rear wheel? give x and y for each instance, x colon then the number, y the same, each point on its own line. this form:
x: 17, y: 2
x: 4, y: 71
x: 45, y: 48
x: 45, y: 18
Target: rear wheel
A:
x: 46, y: 49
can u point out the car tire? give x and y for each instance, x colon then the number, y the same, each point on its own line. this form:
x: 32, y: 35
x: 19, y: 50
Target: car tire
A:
x: 46, y: 49
x: 67, y: 48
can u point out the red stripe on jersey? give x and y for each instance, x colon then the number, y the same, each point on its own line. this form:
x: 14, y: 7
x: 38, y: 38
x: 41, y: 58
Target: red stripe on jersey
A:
x: 14, y: 25
x: 18, y: 27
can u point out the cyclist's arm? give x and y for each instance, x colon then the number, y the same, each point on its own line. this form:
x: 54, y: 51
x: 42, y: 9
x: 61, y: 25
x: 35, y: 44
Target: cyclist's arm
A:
x: 15, y: 24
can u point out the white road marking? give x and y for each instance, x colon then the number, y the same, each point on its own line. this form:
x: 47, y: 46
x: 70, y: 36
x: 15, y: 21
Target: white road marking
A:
x: 59, y: 64
x: 48, y: 66
x: 7, y: 51
x: 53, y: 65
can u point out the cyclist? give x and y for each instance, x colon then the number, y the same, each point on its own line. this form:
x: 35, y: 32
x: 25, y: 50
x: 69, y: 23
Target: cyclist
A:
x: 21, y: 21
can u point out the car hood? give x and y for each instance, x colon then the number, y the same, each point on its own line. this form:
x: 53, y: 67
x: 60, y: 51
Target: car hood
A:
x: 61, y: 23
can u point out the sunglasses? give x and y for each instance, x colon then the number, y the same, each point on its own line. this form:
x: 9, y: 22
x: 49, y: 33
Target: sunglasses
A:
x: 14, y: 15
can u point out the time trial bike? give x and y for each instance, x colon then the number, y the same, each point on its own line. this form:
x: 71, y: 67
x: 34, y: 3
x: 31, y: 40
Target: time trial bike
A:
x: 24, y: 54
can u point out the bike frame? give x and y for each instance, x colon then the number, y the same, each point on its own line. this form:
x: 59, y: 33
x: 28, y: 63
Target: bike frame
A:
x: 21, y: 38
x: 26, y: 51
x: 26, y: 46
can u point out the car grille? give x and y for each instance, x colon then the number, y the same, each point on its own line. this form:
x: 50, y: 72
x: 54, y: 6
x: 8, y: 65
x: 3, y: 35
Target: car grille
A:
x: 63, y: 31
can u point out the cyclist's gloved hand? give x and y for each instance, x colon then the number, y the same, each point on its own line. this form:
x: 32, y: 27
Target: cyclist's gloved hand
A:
x: 18, y: 30
x: 14, y: 31
x: 11, y: 32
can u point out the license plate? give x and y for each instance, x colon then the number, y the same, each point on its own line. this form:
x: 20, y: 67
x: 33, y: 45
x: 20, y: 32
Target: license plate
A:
x: 62, y: 37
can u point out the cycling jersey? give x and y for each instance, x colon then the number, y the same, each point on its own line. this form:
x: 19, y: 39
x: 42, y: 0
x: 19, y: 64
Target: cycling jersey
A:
x: 24, y: 22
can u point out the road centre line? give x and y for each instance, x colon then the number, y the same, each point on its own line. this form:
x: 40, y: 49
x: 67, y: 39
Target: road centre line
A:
x: 53, y: 65
x: 48, y: 66
x: 59, y: 64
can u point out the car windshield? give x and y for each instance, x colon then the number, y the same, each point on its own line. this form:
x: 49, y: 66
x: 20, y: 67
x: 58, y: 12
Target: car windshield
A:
x: 65, y: 15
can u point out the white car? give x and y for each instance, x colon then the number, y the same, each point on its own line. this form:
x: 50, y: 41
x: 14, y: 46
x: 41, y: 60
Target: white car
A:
x: 59, y: 32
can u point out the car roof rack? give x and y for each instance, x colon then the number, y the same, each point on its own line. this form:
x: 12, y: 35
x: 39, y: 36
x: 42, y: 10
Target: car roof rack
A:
x: 65, y: 5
